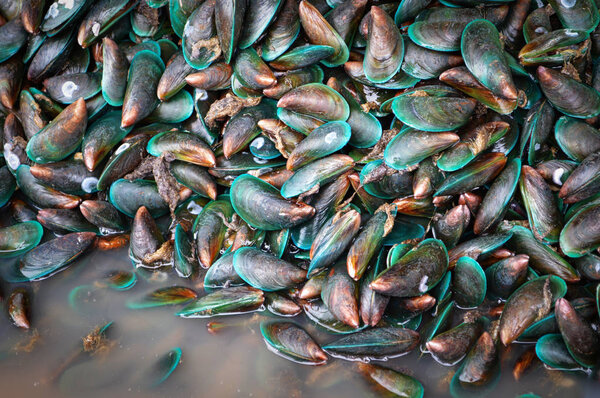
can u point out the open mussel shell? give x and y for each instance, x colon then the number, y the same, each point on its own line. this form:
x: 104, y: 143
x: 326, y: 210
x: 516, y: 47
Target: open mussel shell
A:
x: 228, y: 301
x: 254, y: 200
x: 51, y: 256
x: 172, y: 295
x: 20, y: 238
x: 290, y: 341
x: 524, y: 305
x: 378, y: 343
x: 264, y: 271
x: 416, y: 272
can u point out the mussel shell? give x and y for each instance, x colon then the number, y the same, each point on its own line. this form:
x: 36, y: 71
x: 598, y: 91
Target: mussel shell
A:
x: 484, y: 57
x: 264, y: 271
x: 507, y: 275
x: 392, y: 382
x: 333, y: 238
x: 435, y: 112
x: 128, y: 196
x: 261, y: 205
x: 319, y: 31
x: 378, y: 343
x: 583, y: 182
x: 183, y: 146
x: 20, y: 238
x: 368, y: 242
x: 385, y: 47
x: 581, y: 234
x: 552, y: 351
x: 541, y: 258
x: 469, y: 283
x: 42, y: 195
x: 229, y: 16
x: 222, y: 274
x: 61, y: 136
x: 13, y: 36
x: 301, y: 57
x: 104, y: 215
x: 568, y: 95
x: 478, y: 173
x: 319, y: 172
x: 123, y: 161
x: 316, y: 100
x: 101, y: 137
x: 54, y: 254
x: 581, y: 340
x: 209, y: 230
x: 339, y: 293
x: 65, y: 221
x: 523, y: 306
x: 282, y: 33
x: 411, y: 146
x: 423, y: 63
x: 140, y: 99
x: 451, y: 346
x: 228, y: 301
x: 200, y: 43
x: 322, y: 141
x: 290, y: 341
x: 416, y: 272
x: 171, y: 295
x: 7, y: 185
x: 581, y: 14
x: 576, y: 138
x: 545, y: 219
x: 324, y: 203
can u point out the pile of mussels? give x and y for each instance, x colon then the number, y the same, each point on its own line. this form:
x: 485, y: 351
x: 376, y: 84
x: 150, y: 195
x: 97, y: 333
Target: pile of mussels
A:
x: 371, y: 164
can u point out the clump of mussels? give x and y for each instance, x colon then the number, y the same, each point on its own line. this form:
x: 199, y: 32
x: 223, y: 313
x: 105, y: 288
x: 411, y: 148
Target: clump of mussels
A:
x: 408, y: 174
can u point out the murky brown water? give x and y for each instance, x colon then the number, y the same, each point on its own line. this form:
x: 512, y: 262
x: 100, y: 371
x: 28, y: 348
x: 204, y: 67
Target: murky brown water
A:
x: 233, y: 363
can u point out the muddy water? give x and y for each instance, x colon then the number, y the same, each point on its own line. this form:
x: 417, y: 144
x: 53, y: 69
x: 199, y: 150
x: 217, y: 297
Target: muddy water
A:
x: 232, y: 363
